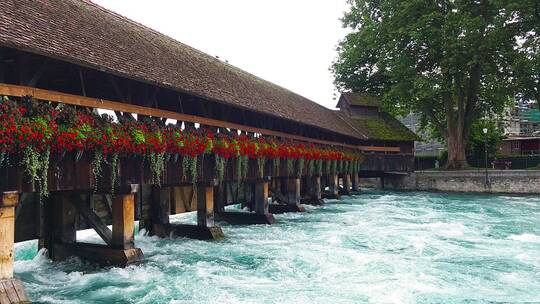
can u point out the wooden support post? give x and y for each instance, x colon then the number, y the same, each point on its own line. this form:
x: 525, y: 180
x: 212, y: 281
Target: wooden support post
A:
x: 292, y: 198
x: 205, y: 229
x: 293, y: 191
x: 355, y: 182
x: 333, y: 187
x: 313, y: 195
x: 205, y: 206
x: 123, y: 220
x: 160, y: 210
x: 261, y: 197
x: 11, y: 289
x: 177, y: 201
x: 260, y: 202
x: 346, y: 184
x: 220, y: 197
x: 62, y: 229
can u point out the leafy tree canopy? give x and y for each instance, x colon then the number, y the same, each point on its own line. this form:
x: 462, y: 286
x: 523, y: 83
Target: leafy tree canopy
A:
x: 451, y: 61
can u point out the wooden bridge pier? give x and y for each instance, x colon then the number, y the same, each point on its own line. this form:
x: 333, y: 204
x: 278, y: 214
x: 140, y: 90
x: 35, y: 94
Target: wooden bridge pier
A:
x: 11, y: 289
x: 290, y: 201
x: 157, y: 221
x: 345, y: 188
x: 59, y: 237
x: 256, y: 197
x: 313, y: 193
x: 333, y: 187
x: 355, y: 182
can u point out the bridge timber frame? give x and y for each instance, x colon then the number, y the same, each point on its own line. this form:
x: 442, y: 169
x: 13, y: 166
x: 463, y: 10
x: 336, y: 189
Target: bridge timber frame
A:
x: 74, y: 204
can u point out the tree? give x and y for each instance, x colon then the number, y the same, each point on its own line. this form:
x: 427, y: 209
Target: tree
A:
x: 451, y: 61
x: 476, y: 145
x: 527, y: 61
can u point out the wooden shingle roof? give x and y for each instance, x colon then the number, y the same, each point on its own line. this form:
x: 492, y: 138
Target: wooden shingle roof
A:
x: 359, y: 99
x: 83, y: 33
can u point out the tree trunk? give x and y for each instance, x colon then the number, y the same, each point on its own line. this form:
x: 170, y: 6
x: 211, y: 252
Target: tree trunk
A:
x: 456, y: 150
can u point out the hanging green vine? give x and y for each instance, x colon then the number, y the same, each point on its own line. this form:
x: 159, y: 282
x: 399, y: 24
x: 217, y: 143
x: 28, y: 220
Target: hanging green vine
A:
x: 114, y: 172
x: 221, y: 163
x: 245, y: 166
x: 328, y: 166
x: 44, y: 182
x: 157, y: 167
x: 193, y: 169
x: 2, y: 158
x: 260, y: 164
x: 185, y: 166
x: 300, y: 163
x: 275, y: 164
x: 238, y: 170
x: 310, y: 164
x: 333, y: 169
x: 319, y: 165
x: 36, y: 166
x: 97, y: 167
x: 290, y: 166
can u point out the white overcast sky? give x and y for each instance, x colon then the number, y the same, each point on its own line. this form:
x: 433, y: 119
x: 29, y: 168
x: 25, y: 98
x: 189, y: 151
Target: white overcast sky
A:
x: 288, y: 42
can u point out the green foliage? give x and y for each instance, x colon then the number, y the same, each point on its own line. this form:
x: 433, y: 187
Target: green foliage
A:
x: 245, y: 166
x: 310, y: 167
x: 476, y: 146
x: 319, y: 166
x: 36, y: 166
x: 333, y: 167
x: 189, y: 166
x: 97, y: 167
x: 290, y: 166
x: 276, y: 164
x: 4, y: 157
x: 114, y: 171
x: 260, y: 164
x: 449, y: 61
x: 328, y: 166
x: 300, y: 164
x: 239, y: 168
x: 527, y: 62
x: 220, y: 165
x: 157, y: 167
x: 138, y: 136
x: 193, y: 169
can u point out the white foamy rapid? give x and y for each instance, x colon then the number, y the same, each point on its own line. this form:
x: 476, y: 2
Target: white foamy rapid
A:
x: 379, y: 247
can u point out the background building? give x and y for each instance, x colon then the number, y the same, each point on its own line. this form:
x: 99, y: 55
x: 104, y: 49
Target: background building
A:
x: 426, y: 147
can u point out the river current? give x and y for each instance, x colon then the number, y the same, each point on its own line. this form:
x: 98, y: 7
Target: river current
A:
x: 378, y: 247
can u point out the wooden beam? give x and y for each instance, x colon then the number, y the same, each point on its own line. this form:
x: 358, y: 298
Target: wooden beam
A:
x: 92, y: 219
x: 205, y: 206
x: 123, y: 221
x: 46, y: 95
x: 8, y: 201
x: 379, y: 149
x: 261, y: 196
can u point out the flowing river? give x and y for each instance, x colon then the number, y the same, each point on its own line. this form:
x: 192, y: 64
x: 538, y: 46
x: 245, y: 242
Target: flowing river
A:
x: 378, y: 247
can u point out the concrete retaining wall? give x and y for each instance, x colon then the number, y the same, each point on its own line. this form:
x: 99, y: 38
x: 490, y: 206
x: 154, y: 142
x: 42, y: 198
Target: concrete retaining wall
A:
x: 500, y: 181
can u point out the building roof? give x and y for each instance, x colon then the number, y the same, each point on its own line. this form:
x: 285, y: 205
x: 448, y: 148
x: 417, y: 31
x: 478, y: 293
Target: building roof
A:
x: 381, y: 127
x: 359, y: 99
x: 521, y: 138
x: 83, y: 33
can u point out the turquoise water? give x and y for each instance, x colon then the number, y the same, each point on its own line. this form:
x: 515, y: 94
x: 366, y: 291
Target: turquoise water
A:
x: 379, y: 247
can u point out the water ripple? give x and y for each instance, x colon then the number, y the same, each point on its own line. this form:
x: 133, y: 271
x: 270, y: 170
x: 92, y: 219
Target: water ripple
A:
x: 378, y: 247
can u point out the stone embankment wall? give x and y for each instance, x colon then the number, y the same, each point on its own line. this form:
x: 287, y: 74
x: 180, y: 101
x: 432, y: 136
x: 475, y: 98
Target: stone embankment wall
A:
x: 500, y: 181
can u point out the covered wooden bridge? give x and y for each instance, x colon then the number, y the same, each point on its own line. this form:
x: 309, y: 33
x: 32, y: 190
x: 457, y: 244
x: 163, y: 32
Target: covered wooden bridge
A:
x: 191, y: 133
